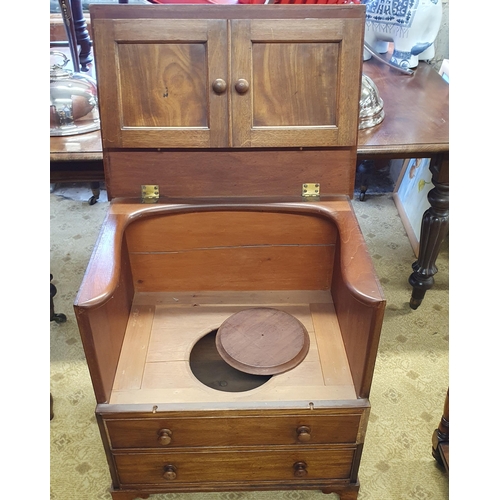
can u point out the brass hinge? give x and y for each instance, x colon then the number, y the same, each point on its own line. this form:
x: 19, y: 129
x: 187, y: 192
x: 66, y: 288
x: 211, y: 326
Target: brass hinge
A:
x: 150, y: 193
x: 310, y: 191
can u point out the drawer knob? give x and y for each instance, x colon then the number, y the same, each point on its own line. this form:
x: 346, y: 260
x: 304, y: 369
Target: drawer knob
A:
x: 300, y: 469
x: 242, y: 86
x: 170, y: 472
x: 219, y: 86
x: 303, y: 433
x: 164, y: 436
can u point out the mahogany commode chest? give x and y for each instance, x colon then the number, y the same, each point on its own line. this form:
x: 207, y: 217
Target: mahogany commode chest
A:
x: 229, y: 138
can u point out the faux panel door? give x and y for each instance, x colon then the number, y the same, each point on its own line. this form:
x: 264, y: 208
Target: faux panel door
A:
x: 295, y: 82
x: 156, y: 82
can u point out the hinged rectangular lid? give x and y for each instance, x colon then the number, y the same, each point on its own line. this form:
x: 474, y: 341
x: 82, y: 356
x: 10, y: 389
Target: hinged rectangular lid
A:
x: 223, y: 78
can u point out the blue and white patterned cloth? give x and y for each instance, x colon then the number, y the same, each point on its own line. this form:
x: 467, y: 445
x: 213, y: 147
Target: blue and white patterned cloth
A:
x: 398, y: 12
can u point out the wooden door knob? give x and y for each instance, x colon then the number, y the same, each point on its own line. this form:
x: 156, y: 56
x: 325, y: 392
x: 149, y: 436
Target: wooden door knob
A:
x: 164, y: 436
x: 170, y: 472
x: 219, y: 86
x: 303, y: 433
x: 300, y: 469
x: 242, y: 86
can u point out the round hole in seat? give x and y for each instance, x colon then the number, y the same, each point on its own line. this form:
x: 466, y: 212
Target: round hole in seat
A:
x: 210, y: 369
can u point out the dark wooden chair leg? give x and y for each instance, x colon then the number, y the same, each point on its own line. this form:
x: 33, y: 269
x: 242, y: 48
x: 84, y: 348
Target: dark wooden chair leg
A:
x: 363, y: 168
x: 96, y: 192
x: 58, y: 318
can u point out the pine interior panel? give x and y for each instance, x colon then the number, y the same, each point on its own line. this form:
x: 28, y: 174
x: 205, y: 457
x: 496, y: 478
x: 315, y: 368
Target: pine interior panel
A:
x: 227, y: 250
x: 181, y: 319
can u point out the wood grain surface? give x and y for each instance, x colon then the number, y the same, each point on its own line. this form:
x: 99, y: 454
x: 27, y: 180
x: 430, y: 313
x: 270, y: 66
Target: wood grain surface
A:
x: 262, y: 341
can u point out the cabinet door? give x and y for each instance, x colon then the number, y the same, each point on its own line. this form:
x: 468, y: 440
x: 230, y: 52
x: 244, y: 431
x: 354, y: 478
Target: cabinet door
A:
x: 156, y: 82
x: 295, y: 82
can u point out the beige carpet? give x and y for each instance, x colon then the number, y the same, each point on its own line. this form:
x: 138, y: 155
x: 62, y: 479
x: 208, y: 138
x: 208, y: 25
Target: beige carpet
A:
x: 407, y: 397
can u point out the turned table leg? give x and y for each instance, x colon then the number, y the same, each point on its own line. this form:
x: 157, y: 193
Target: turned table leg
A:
x: 82, y: 34
x: 434, y: 229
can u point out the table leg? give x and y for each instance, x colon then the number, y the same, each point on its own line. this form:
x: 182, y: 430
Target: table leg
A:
x: 82, y: 34
x: 434, y: 229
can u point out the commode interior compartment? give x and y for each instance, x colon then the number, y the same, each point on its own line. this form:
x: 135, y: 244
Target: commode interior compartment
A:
x: 228, y: 250
x: 192, y: 270
x: 184, y: 269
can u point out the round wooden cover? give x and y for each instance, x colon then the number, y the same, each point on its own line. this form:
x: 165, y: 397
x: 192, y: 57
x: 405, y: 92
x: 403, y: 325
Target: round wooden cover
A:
x: 262, y: 341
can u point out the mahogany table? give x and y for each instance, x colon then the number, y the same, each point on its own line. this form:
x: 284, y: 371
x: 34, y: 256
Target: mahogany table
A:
x: 415, y: 126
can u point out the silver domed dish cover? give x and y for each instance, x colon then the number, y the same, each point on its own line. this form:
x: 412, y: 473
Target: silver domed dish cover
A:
x: 73, y: 101
x: 371, y: 105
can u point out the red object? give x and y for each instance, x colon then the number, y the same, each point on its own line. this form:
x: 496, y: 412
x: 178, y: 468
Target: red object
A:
x: 229, y: 2
x: 226, y: 2
x: 306, y: 1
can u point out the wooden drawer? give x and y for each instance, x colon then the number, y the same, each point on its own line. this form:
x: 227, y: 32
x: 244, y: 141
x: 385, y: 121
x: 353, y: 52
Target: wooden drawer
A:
x: 233, y: 431
x: 289, y: 464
